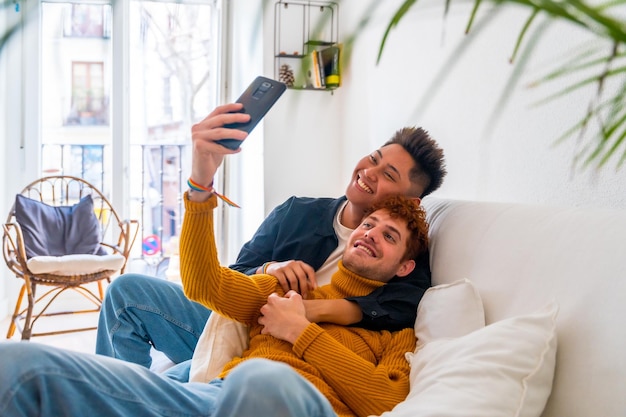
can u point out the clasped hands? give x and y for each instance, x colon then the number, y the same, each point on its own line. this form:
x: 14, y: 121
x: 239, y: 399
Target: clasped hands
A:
x: 284, y: 317
x: 293, y: 275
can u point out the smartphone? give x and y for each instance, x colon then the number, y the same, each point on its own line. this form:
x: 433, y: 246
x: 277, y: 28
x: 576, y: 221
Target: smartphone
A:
x: 258, y: 98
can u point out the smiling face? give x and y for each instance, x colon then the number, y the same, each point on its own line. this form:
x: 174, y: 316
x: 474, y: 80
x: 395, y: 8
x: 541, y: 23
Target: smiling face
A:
x: 377, y: 248
x: 382, y: 173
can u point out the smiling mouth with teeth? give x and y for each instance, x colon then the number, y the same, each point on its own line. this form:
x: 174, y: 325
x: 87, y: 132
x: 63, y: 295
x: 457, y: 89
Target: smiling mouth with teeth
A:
x: 364, y: 186
x: 365, y: 249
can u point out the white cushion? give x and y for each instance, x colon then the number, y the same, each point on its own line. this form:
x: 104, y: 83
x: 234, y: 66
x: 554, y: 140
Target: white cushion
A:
x: 74, y: 264
x: 503, y: 369
x: 449, y: 310
x: 221, y: 340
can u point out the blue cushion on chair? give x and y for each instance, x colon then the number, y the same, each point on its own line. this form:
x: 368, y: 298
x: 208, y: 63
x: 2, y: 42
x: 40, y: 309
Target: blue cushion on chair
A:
x: 58, y: 230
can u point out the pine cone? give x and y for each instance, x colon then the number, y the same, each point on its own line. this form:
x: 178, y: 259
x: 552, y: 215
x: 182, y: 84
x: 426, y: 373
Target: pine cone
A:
x: 285, y: 75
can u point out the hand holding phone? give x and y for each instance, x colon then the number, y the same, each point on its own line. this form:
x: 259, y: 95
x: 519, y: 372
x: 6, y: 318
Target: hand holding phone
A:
x: 258, y: 98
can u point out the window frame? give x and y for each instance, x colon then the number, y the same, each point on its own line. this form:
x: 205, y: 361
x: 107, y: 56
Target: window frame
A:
x: 241, y: 54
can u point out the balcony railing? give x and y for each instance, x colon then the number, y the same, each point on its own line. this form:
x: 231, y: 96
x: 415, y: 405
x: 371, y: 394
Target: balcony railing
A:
x: 156, y: 190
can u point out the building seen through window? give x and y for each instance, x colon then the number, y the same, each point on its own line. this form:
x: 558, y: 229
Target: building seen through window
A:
x: 89, y: 103
x: 173, y: 77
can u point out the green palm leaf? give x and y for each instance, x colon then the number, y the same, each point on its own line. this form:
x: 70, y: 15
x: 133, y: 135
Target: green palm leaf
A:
x: 605, y: 118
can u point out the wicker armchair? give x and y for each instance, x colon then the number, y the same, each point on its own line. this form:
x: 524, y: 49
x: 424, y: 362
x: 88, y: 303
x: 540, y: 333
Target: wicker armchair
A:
x: 64, y: 271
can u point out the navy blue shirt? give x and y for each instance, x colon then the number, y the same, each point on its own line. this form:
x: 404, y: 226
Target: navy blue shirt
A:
x: 301, y: 228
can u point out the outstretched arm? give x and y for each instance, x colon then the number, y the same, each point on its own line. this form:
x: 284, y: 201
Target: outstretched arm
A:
x: 228, y: 292
x: 204, y: 280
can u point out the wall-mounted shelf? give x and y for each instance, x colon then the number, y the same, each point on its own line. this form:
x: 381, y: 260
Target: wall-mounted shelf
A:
x: 306, y: 47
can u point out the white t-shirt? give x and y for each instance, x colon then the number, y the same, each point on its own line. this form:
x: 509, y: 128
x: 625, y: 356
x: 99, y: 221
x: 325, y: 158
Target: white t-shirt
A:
x: 325, y: 272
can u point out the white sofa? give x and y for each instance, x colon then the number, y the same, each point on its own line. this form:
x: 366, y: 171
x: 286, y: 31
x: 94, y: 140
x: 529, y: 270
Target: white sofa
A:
x: 483, y: 349
x: 521, y: 257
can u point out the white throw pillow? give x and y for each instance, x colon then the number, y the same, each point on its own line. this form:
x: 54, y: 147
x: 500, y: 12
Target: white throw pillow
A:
x: 503, y: 369
x: 75, y: 264
x: 449, y: 310
x: 221, y: 340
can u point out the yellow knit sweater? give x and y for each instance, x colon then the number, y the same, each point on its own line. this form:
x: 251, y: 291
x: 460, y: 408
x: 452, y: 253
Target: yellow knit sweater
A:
x: 361, y: 372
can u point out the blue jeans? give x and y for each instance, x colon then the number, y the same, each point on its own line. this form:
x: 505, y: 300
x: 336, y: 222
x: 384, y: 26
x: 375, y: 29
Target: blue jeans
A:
x: 43, y: 381
x: 140, y: 312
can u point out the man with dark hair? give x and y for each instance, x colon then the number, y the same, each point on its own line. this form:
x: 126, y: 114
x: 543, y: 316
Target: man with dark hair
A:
x: 429, y: 166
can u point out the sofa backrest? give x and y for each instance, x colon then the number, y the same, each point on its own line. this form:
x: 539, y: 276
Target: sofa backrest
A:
x: 520, y: 257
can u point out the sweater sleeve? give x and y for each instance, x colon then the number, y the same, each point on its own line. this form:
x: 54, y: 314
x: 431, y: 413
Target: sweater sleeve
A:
x: 228, y: 292
x: 371, y: 388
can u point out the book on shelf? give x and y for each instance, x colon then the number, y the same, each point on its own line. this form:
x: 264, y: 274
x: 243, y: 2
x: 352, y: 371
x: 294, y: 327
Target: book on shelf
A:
x: 329, y: 58
x: 320, y: 78
x: 320, y: 69
x: 310, y: 75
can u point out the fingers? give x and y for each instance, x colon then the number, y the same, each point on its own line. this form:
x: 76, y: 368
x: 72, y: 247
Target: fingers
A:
x: 272, y: 299
x: 273, y: 296
x: 294, y: 275
x: 207, y: 155
x: 225, y: 108
x: 293, y: 295
x: 212, y: 127
x: 225, y: 114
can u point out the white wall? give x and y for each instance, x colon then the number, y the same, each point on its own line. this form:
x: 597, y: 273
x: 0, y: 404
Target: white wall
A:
x: 313, y: 139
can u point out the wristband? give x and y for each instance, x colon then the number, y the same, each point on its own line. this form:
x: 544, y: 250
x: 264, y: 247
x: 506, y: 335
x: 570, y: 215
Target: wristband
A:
x: 202, y: 189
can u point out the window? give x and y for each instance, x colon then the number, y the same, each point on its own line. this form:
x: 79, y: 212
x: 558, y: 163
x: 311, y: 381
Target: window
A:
x: 89, y: 104
x: 172, y: 73
x: 87, y: 20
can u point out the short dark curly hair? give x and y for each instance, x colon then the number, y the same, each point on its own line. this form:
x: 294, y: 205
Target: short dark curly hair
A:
x: 430, y: 167
x: 401, y: 207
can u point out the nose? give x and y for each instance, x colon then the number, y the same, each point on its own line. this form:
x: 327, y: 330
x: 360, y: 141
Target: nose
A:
x: 370, y: 173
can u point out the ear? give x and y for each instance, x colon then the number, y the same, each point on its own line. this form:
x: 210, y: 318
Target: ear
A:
x: 417, y: 200
x: 405, y: 268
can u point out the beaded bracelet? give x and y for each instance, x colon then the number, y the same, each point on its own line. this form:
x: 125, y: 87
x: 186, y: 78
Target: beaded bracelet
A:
x: 202, y: 189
